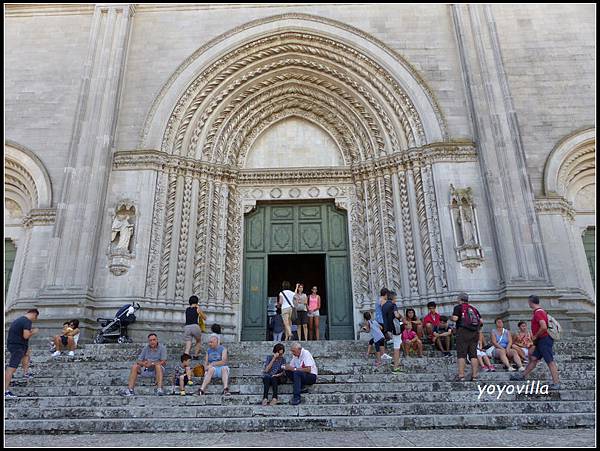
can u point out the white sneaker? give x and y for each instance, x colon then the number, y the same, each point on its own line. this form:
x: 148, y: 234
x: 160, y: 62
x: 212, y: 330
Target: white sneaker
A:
x: 71, y: 354
x: 511, y: 369
x: 385, y: 356
x: 521, y: 368
x: 56, y: 354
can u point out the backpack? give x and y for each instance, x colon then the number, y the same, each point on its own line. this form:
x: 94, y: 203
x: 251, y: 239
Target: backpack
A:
x: 554, y: 328
x: 470, y: 317
x: 397, y: 326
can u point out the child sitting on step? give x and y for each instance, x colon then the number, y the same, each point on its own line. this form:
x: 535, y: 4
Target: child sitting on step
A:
x: 183, y: 374
x: 410, y: 340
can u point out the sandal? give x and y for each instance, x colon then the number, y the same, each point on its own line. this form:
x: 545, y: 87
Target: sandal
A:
x: 458, y: 378
x: 226, y: 392
x: 201, y: 391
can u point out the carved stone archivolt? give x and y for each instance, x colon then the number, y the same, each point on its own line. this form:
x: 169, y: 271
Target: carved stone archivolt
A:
x: 212, y: 129
x: 466, y: 230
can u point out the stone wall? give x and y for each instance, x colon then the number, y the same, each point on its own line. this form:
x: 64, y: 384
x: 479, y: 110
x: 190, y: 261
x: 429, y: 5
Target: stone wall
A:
x: 44, y: 56
x: 549, y: 53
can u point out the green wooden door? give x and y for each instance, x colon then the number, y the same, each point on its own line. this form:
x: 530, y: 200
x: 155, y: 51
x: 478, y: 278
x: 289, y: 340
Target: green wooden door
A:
x: 276, y: 229
x: 10, y: 252
x: 589, y: 244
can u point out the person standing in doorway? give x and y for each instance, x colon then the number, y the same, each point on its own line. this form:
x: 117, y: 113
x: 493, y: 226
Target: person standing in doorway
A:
x: 286, y: 302
x: 300, y: 302
x: 314, y: 306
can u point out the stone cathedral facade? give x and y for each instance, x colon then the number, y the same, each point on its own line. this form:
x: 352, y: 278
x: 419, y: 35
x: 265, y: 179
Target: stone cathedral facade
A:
x: 156, y: 151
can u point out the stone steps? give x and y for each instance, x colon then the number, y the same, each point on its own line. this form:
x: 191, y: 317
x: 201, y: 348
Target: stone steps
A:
x: 140, y: 400
x: 307, y: 410
x: 82, y: 394
x: 313, y: 424
x: 249, y: 377
x: 256, y: 389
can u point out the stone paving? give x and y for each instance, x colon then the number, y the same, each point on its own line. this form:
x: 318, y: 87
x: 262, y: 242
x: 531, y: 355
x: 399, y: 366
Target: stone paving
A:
x: 420, y: 438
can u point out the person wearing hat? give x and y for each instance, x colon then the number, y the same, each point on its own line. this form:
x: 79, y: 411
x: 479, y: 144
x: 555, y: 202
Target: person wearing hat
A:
x: 467, y: 320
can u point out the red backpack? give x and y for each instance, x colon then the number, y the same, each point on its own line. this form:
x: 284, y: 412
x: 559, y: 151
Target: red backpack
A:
x: 470, y: 317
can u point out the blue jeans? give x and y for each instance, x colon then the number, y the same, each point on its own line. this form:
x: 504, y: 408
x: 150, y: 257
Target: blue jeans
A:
x: 300, y: 379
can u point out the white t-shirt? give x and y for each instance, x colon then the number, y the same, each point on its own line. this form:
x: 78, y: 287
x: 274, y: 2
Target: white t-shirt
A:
x: 284, y: 303
x: 305, y: 359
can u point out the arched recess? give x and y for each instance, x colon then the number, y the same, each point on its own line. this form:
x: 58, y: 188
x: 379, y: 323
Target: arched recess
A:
x: 571, y: 166
x: 27, y: 180
x: 570, y: 174
x: 375, y: 107
x: 27, y: 188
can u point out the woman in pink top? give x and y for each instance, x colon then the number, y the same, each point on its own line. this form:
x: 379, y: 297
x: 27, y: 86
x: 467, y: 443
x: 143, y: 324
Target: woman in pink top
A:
x: 314, y: 304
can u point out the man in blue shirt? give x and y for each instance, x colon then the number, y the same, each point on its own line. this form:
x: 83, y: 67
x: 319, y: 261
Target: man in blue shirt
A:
x: 19, y: 333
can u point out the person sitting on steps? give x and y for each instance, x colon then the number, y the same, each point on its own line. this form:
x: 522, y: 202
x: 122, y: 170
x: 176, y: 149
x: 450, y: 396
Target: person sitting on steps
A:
x: 215, y: 364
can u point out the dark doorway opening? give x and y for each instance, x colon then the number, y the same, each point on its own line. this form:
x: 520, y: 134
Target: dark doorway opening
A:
x: 308, y: 269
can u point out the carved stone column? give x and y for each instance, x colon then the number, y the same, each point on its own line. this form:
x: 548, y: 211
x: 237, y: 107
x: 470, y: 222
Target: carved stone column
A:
x: 76, y: 239
x: 516, y: 230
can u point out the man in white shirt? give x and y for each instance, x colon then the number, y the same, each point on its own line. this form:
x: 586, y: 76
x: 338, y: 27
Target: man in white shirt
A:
x: 302, y: 370
x: 286, y: 302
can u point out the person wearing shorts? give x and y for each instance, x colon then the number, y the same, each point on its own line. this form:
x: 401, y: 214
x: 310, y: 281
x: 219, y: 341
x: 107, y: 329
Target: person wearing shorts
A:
x: 466, y: 338
x: 215, y: 364
x: 151, y: 363
x: 377, y: 340
x: 300, y: 302
x: 314, y: 305
x: 192, y: 329
x: 397, y: 341
x: 543, y: 343
x: 17, y: 343
x: 285, y: 301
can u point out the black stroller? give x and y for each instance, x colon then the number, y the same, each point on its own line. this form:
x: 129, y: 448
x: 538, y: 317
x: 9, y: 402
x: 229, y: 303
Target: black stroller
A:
x: 116, y: 328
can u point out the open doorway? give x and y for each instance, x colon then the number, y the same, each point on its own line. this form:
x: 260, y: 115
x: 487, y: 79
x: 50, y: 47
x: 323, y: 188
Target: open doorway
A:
x: 308, y: 269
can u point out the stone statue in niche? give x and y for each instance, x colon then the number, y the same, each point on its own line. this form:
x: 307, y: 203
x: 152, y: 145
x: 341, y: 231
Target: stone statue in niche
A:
x: 120, y: 251
x: 464, y: 221
x: 122, y: 228
x: 467, y: 226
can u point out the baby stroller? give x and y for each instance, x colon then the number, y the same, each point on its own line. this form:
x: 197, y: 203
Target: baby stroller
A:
x: 116, y: 328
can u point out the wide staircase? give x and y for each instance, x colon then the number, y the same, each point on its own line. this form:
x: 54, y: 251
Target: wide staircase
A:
x: 83, y: 394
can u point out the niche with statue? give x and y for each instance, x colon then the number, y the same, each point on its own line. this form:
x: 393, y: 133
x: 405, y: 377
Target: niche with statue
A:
x: 467, y: 242
x: 121, y: 249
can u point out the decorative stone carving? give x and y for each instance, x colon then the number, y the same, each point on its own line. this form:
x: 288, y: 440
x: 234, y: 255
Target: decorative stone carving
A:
x: 120, y: 251
x: 40, y: 216
x: 333, y: 191
x: 437, y: 253
x: 555, y: 206
x: 233, y: 101
x: 466, y: 232
x: 408, y: 236
x: 313, y: 192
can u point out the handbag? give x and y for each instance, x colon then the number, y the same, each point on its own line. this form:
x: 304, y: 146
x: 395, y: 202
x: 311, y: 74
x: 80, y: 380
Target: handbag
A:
x: 198, y: 371
x: 201, y: 323
x: 294, y: 311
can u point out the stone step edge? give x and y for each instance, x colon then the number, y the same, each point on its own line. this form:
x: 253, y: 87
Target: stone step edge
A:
x: 524, y: 420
